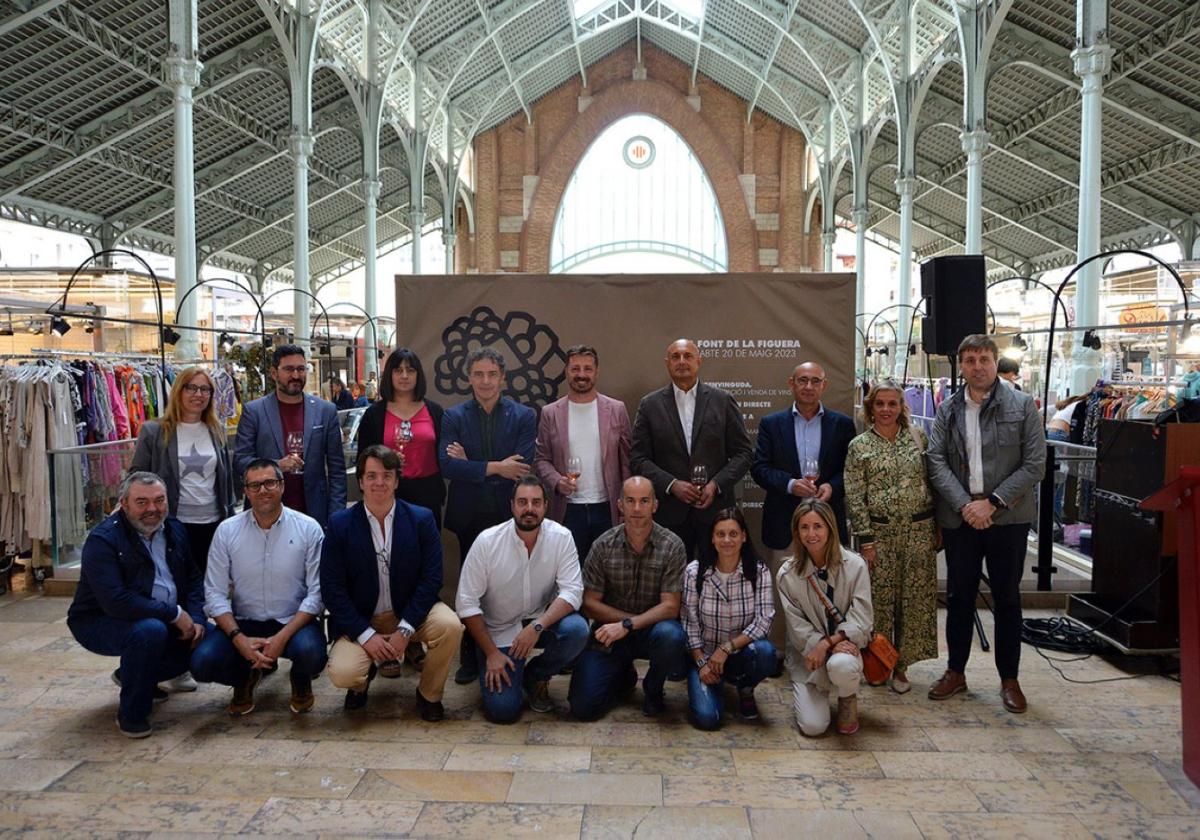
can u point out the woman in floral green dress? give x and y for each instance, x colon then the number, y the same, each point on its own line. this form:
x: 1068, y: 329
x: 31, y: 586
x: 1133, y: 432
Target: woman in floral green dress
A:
x: 890, y: 507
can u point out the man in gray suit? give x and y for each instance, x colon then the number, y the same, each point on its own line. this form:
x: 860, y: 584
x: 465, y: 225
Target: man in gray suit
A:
x: 300, y: 432
x: 987, y: 453
x: 681, y: 427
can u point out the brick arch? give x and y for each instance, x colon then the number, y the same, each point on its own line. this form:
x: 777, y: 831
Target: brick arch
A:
x: 656, y: 99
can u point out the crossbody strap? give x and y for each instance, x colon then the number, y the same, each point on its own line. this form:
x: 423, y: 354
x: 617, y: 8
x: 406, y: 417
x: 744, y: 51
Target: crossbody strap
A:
x: 829, y: 607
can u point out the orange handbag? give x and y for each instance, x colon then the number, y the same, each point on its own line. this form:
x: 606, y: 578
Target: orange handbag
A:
x: 879, y: 656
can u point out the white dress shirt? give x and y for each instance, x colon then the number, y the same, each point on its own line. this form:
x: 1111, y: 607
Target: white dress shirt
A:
x: 974, y: 445
x: 685, y: 404
x: 506, y: 584
x: 273, y: 574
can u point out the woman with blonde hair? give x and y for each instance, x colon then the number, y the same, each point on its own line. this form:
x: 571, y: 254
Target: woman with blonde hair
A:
x: 890, y: 507
x: 826, y: 596
x: 185, y: 447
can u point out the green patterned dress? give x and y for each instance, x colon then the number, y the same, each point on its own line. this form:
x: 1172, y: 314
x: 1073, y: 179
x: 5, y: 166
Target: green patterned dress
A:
x: 885, y: 488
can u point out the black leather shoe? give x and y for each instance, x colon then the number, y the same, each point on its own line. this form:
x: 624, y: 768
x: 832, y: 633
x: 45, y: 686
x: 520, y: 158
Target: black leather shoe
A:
x: 431, y: 711
x: 654, y: 704
x: 356, y: 700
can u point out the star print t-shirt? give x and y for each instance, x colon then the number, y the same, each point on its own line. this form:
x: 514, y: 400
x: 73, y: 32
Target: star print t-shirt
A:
x: 197, y: 469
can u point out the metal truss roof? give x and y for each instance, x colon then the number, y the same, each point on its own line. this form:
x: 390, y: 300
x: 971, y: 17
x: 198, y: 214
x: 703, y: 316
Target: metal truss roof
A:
x: 86, y: 128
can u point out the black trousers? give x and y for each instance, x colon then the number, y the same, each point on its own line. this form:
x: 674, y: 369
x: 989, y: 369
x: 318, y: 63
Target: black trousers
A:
x: 427, y: 492
x: 1003, y: 548
x: 200, y: 537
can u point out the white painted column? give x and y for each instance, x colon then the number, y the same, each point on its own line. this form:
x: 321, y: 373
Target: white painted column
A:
x: 906, y: 188
x: 828, y: 237
x: 861, y: 213
x: 1091, y: 65
x: 182, y: 72
x: 302, y: 147
x: 449, y: 240
x: 371, y: 189
x: 416, y: 220
x: 974, y: 145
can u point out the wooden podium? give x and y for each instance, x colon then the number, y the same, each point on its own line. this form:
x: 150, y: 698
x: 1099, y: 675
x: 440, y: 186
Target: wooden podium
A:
x: 1182, y: 497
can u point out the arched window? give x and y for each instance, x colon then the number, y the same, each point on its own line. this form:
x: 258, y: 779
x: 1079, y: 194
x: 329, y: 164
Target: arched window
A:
x: 639, y: 202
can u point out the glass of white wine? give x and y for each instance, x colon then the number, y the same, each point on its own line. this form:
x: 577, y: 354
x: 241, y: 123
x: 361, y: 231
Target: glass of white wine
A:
x: 574, y: 468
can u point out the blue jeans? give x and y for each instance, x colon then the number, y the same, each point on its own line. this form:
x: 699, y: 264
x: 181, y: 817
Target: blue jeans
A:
x: 586, y: 523
x: 744, y: 669
x: 603, y: 673
x: 560, y: 644
x: 217, y: 660
x: 150, y: 652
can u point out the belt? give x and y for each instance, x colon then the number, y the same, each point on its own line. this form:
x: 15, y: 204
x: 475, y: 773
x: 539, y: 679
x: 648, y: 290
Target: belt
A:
x: 916, y: 517
x: 587, y: 504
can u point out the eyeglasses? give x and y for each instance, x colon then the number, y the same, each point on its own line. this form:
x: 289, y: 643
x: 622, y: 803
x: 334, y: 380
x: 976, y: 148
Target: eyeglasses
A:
x: 804, y: 381
x: 294, y: 369
x: 197, y: 389
x: 268, y: 485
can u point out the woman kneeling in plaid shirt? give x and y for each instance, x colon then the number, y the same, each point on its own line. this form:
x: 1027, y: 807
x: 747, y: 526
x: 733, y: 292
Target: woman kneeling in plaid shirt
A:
x: 727, y: 612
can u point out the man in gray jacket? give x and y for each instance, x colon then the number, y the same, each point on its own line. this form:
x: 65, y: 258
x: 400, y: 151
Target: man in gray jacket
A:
x: 987, y: 452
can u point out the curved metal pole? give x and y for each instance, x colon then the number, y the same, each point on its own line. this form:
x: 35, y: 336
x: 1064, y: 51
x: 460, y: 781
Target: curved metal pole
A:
x: 290, y: 290
x: 262, y: 319
x: 1063, y: 285
x: 1046, y: 286
x: 162, y: 351
x: 871, y: 323
x: 374, y: 321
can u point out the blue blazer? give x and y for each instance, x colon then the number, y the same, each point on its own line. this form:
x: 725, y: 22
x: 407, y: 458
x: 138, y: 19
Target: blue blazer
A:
x: 516, y: 434
x: 260, y: 435
x: 350, y: 573
x: 116, y: 577
x: 776, y: 462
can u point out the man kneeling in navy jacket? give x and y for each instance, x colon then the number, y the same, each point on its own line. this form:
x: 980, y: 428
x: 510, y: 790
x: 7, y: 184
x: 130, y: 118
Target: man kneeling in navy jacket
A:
x: 140, y: 597
x: 381, y: 569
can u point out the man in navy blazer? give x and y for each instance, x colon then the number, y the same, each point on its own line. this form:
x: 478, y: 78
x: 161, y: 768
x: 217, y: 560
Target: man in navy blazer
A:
x: 140, y: 597
x: 785, y: 440
x: 489, y: 444
x: 301, y: 433
x: 381, y: 570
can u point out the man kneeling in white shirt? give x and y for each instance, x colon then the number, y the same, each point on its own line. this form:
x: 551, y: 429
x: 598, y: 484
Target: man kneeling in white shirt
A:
x: 521, y: 588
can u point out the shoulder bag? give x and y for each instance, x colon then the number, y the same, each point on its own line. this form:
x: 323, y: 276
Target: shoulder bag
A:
x: 879, y: 656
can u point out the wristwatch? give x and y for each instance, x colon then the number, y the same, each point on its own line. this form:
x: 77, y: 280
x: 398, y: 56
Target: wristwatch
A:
x: 627, y: 623
x: 537, y: 627
x: 405, y: 632
x: 729, y: 648
x: 996, y: 501
x: 234, y: 633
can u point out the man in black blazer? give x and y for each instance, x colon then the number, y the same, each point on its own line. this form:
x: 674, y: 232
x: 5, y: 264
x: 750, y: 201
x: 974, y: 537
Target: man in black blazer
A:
x: 381, y: 569
x: 667, y: 450
x: 785, y: 440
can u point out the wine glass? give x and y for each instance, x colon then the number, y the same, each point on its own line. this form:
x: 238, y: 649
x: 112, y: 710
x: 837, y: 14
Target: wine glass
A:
x: 699, y: 476
x: 811, y: 469
x: 295, y: 446
x: 574, y: 468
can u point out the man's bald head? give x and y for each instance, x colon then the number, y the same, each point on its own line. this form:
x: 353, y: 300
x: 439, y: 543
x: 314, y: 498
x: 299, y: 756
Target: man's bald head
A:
x: 683, y: 363
x: 808, y: 385
x: 638, y: 502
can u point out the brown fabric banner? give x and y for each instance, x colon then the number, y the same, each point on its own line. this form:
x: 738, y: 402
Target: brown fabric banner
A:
x: 752, y: 330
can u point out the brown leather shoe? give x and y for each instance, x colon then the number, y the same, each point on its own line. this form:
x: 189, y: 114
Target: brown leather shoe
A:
x: 951, y: 683
x: 1014, y: 699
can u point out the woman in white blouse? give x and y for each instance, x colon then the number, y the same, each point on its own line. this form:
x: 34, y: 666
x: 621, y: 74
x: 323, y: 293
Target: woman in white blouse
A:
x: 824, y: 646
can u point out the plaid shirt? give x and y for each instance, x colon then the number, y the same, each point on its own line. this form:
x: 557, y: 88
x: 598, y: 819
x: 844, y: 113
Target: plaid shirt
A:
x: 633, y: 582
x: 724, y: 610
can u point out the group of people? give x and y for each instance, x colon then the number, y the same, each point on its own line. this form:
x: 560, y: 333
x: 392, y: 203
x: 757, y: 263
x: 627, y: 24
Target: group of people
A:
x: 590, y: 539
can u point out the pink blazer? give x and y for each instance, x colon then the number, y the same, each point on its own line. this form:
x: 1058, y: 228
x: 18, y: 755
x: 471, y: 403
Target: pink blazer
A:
x: 553, y: 442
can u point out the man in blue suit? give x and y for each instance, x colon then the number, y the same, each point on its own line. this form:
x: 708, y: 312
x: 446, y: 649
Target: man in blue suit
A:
x: 489, y: 445
x: 786, y: 440
x: 381, y: 569
x: 299, y: 432
x: 140, y: 597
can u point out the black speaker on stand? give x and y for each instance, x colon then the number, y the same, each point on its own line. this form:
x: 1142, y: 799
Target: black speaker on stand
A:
x: 955, y: 292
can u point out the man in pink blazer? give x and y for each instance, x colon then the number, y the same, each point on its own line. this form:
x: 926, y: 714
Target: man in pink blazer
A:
x: 582, y: 452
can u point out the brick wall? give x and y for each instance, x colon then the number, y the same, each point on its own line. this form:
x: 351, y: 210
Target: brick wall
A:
x: 756, y: 168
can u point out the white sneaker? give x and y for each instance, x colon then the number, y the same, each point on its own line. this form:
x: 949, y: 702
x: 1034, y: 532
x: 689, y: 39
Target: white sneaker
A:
x: 180, y: 684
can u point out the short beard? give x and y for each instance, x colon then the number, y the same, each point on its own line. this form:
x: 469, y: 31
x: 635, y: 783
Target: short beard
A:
x: 527, y: 528
x: 141, y: 529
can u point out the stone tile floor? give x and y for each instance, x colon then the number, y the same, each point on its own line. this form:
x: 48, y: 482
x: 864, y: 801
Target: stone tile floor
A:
x: 1087, y: 760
